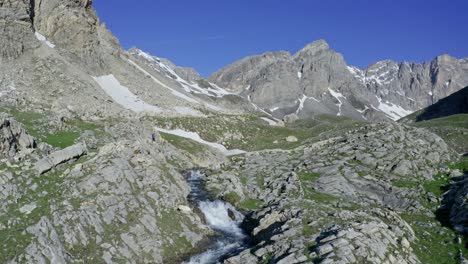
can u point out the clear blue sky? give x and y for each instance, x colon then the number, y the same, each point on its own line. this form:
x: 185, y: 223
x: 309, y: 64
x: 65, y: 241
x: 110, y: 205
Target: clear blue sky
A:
x: 210, y: 34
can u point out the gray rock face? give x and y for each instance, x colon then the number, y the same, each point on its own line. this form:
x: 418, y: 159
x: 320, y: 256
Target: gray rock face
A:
x: 362, y: 242
x: 317, y: 80
x: 55, y: 48
x: 74, y: 26
x: 14, y: 138
x: 457, y: 103
x: 15, y: 28
x: 59, y: 157
x: 185, y: 73
x: 414, y: 85
x: 49, y: 246
x: 313, y: 81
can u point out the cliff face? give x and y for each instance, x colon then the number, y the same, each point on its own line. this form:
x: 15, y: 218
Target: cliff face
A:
x: 74, y: 26
x: 71, y: 25
x: 318, y: 80
x: 15, y: 28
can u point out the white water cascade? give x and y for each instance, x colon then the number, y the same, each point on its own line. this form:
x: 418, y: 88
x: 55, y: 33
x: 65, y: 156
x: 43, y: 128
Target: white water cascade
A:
x: 222, y: 217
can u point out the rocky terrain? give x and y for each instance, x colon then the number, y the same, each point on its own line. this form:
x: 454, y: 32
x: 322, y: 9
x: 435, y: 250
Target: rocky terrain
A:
x: 98, y: 147
x: 348, y: 199
x: 317, y: 80
x: 448, y: 118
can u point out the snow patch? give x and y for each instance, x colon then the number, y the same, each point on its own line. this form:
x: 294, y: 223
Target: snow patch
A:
x: 43, y: 39
x: 249, y: 98
x: 274, y: 109
x: 338, y: 96
x: 191, y: 87
x: 213, y: 90
x: 269, y: 121
x: 394, y: 112
x: 301, y: 103
x: 146, y: 55
x: 302, y: 100
x: 357, y: 73
x: 195, y: 137
x: 174, y: 92
x: 123, y: 96
x: 375, y: 75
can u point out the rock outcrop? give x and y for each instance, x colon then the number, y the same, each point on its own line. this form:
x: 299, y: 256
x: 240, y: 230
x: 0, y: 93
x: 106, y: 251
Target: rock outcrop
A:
x: 15, y: 28
x: 14, y: 138
x: 337, y: 200
x: 60, y: 156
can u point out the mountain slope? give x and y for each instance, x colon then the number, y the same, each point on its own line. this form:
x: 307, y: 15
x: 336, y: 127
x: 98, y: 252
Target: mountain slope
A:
x: 448, y: 118
x: 317, y: 80
x: 457, y: 103
x: 60, y: 49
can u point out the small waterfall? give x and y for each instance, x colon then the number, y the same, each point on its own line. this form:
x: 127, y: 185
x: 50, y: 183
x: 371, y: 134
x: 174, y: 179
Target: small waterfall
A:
x: 222, y: 217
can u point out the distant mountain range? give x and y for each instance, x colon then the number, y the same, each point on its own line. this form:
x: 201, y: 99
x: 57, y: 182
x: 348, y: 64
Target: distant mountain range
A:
x: 318, y: 80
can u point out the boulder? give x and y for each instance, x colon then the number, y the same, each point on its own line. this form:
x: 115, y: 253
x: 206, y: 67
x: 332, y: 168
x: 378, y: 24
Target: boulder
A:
x: 292, y: 139
x: 56, y: 158
x: 14, y: 138
x: 291, y: 118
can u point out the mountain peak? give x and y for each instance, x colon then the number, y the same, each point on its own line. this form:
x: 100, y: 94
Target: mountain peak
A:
x: 316, y: 46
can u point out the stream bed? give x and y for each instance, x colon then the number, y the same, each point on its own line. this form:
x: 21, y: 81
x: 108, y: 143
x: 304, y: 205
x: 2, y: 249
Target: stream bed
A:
x: 221, y: 217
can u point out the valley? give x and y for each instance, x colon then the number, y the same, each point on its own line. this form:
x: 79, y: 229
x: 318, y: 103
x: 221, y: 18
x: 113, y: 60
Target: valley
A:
x: 112, y: 156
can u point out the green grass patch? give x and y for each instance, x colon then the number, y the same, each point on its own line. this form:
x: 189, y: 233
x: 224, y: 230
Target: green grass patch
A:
x: 251, y: 204
x: 175, y: 246
x: 438, y: 186
x: 251, y: 133
x: 267, y: 259
x: 232, y: 198
x: 15, y: 238
x: 320, y: 197
x: 37, y: 125
x: 435, y: 244
x: 461, y: 165
x: 453, y: 129
x: 308, y: 176
x: 406, y: 183
x: 61, y: 139
x: 188, y: 145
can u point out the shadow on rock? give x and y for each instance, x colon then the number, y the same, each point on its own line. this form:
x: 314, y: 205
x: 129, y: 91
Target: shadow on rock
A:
x: 453, y: 213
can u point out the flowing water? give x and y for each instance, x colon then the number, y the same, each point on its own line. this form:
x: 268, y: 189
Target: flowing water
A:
x: 221, y: 217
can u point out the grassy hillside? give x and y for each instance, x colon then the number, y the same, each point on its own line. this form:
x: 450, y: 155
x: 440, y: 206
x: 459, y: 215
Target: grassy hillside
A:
x: 251, y: 133
x: 453, y: 129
